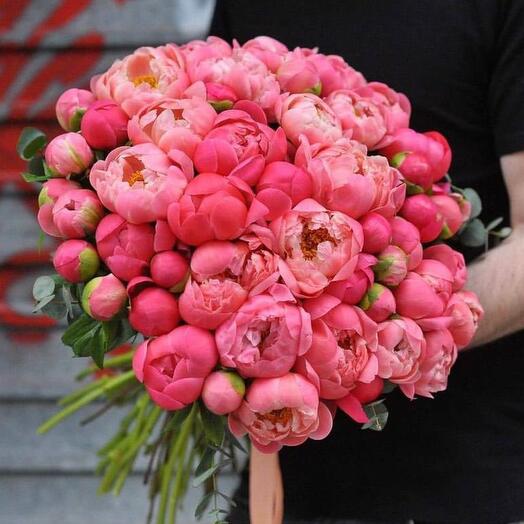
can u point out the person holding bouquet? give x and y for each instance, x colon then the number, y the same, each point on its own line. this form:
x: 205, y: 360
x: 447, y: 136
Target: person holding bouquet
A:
x: 458, y: 458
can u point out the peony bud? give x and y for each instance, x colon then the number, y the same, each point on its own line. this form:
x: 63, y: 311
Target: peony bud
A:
x: 407, y: 237
x: 68, y: 154
x: 77, y: 213
x: 422, y: 212
x: 71, y: 106
x: 154, y: 311
x: 76, y: 260
x: 451, y: 214
x: 49, y: 194
x: 104, y: 125
x: 298, y: 75
x: 223, y: 392
x: 392, y: 266
x: 377, y: 233
x: 378, y: 303
x: 220, y: 96
x: 104, y: 297
x: 170, y: 269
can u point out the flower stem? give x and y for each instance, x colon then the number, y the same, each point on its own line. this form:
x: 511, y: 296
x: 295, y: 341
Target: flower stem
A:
x: 115, y: 362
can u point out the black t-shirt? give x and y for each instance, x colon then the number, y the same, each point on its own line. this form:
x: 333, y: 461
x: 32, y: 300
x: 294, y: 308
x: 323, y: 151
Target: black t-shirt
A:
x: 460, y: 457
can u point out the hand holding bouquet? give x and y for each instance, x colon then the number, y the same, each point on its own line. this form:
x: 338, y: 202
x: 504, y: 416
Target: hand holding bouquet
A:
x: 267, y: 227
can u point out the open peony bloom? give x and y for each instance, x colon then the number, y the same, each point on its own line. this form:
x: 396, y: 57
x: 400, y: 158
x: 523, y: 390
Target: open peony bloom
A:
x: 355, y: 361
x: 238, y: 141
x: 361, y: 119
x: 173, y: 124
x: 401, y: 348
x: 283, y: 411
x: 76, y: 260
x: 138, y: 183
x: 77, y: 213
x: 125, y: 248
x: 173, y: 367
x: 51, y: 191
x: 423, y: 158
x: 265, y: 336
x: 307, y: 114
x: 434, y: 369
x: 338, y: 179
x: 142, y: 77
x: 71, y: 106
x: 317, y: 247
x: 213, y: 207
x: 452, y: 259
x: 267, y: 49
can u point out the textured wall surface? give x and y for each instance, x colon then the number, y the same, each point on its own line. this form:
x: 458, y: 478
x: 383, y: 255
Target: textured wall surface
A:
x: 47, y: 46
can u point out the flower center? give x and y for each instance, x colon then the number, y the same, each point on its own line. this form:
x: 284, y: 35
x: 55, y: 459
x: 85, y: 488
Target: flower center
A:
x: 278, y: 416
x: 346, y: 342
x: 145, y: 79
x: 311, y: 238
x: 133, y: 178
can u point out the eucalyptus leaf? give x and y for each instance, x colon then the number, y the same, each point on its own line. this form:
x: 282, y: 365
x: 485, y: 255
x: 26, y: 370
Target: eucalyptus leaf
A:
x: 203, y: 504
x: 54, y: 309
x: 43, y: 302
x: 43, y: 287
x: 205, y: 475
x: 236, y: 443
x: 214, y: 426
x: 388, y: 387
x: 494, y: 223
x: 378, y: 416
x: 31, y: 141
x: 206, y: 461
x: 474, y: 234
x: 504, y: 232
x: 473, y: 198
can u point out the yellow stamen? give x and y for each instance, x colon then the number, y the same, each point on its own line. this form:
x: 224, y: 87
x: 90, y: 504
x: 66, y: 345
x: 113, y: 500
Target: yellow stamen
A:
x: 278, y: 416
x: 145, y: 79
x: 311, y: 238
x: 134, y: 177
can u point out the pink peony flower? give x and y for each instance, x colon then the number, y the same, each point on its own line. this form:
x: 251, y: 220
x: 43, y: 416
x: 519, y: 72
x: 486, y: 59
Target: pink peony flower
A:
x: 423, y: 213
x: 395, y: 107
x: 77, y: 213
x: 173, y: 124
x: 466, y: 313
x: 352, y: 290
x: 146, y: 75
x: 401, y: 348
x: 49, y: 194
x: 423, y: 158
x: 71, y: 106
x: 440, y: 355
x: 338, y: 180
x: 438, y: 276
x: 238, y: 141
x: 170, y: 269
x: 378, y: 303
x: 391, y: 267
x: 138, y: 183
x: 104, y: 297
x: 297, y: 74
x: 223, y: 392
x: 451, y: 214
x: 283, y: 411
x: 334, y: 72
x: 214, y: 207
x: 76, y: 260
x: 239, y: 70
x: 307, y: 114
x: 361, y: 119
x: 407, y: 237
x: 125, y: 248
x: 154, y: 311
x: 317, y: 247
x: 282, y: 186
x: 355, y: 360
x: 104, y: 126
x: 377, y: 232
x: 452, y: 259
x: 68, y: 154
x: 367, y: 393
x: 173, y: 367
x: 268, y: 50
x: 264, y: 337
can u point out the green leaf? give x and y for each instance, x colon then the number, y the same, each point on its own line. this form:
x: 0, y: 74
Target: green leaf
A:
x: 378, y: 416
x: 43, y: 287
x: 30, y: 177
x: 388, y: 387
x: 54, y: 309
x: 473, y: 198
x: 79, y: 328
x: 43, y: 302
x: 31, y: 141
x: 494, y: 223
x: 205, y: 475
x: 504, y: 232
x: 177, y: 419
x: 206, y: 461
x: 214, y: 426
x: 235, y: 442
x: 474, y: 234
x: 203, y: 504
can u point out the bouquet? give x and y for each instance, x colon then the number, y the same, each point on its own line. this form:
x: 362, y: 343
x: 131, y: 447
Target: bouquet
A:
x: 267, y: 237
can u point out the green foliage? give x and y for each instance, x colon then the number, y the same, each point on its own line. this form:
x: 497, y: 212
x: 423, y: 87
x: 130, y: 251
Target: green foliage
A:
x: 377, y: 414
x: 30, y: 142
